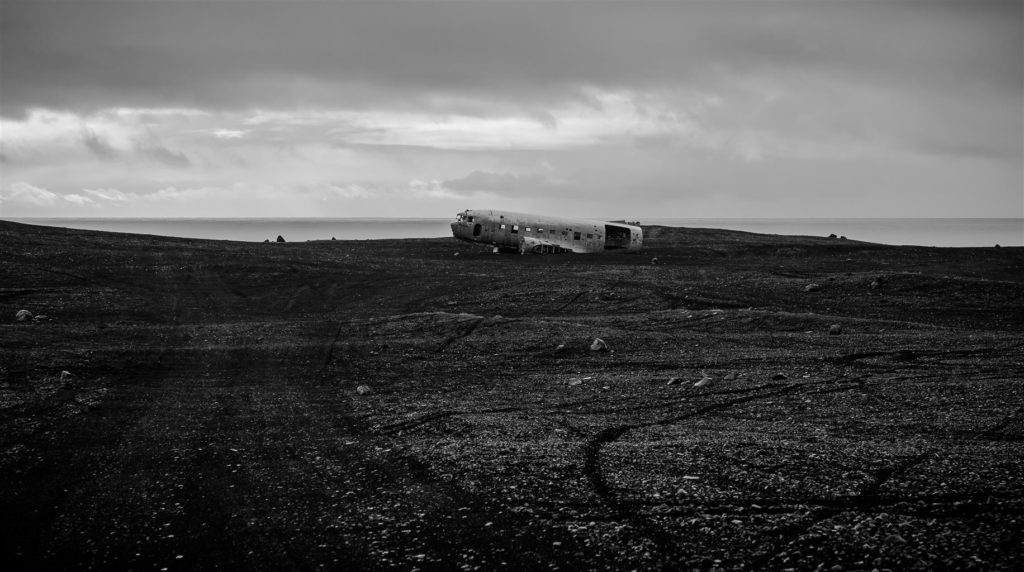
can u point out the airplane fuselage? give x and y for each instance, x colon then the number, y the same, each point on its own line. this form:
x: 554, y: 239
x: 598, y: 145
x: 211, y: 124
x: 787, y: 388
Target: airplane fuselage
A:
x: 543, y: 234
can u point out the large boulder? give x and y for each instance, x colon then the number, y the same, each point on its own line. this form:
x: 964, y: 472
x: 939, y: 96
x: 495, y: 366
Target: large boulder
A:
x: 599, y: 345
x: 23, y: 316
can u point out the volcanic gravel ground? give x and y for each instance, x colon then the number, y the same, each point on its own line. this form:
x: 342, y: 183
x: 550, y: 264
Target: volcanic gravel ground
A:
x: 189, y: 404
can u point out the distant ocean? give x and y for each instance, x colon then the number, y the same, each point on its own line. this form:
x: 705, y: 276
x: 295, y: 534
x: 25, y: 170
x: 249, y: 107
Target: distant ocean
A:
x: 922, y: 232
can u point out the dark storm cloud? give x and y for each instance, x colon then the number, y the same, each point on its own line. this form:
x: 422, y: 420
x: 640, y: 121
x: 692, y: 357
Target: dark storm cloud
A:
x: 84, y: 55
x: 154, y: 149
x: 97, y: 145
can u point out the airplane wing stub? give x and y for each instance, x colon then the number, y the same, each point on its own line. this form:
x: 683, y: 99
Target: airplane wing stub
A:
x: 530, y: 245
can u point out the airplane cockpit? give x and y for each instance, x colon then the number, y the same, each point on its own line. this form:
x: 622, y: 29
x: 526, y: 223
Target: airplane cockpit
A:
x: 462, y: 224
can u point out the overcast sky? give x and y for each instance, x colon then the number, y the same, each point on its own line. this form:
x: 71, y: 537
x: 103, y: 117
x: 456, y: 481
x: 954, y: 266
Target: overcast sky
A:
x: 826, y: 108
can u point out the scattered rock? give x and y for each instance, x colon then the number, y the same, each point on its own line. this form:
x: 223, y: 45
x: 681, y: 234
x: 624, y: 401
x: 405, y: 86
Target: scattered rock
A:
x: 280, y: 238
x: 731, y: 376
x: 364, y: 390
x: 66, y: 375
x: 41, y: 317
x: 654, y: 260
x: 997, y: 246
x: 705, y: 379
x: 598, y: 345
x: 674, y: 381
x: 832, y: 235
x: 896, y: 538
x: 779, y: 376
x: 574, y: 382
x: 875, y: 285
x: 842, y: 238
x: 813, y: 287
x: 332, y: 238
x: 456, y: 254
x: 560, y: 347
x: 835, y: 329
x: 23, y: 316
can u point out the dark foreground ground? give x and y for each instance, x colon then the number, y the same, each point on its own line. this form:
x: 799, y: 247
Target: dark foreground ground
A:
x: 210, y: 418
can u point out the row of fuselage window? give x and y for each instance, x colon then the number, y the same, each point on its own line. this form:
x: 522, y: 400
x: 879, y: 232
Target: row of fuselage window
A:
x: 575, y: 235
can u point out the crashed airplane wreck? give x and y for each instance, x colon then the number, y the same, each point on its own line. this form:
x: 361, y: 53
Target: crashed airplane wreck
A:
x: 540, y: 234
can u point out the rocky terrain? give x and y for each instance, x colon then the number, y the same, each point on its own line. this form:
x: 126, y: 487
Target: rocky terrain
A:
x: 758, y: 402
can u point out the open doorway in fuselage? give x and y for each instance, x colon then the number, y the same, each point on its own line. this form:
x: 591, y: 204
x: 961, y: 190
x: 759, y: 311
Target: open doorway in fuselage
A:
x: 616, y: 237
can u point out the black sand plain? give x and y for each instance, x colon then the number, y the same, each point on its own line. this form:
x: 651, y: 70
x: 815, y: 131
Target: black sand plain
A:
x: 210, y: 419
